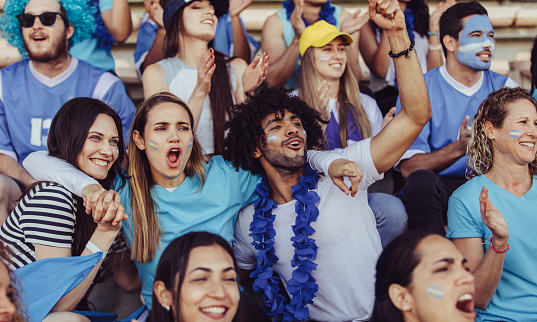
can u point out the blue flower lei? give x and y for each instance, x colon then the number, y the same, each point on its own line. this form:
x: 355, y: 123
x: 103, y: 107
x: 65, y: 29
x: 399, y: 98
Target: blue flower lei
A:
x: 326, y: 14
x: 302, y: 286
x: 104, y: 39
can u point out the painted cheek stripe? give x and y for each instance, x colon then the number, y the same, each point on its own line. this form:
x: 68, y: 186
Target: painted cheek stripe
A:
x: 271, y: 137
x: 153, y: 145
x: 515, y: 134
x: 304, y: 131
x: 435, y: 291
x: 190, y: 142
x: 324, y: 59
x: 477, y: 47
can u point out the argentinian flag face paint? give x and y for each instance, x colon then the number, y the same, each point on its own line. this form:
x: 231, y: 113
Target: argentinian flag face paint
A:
x: 190, y: 142
x: 271, y: 137
x: 476, y: 45
x: 515, y: 134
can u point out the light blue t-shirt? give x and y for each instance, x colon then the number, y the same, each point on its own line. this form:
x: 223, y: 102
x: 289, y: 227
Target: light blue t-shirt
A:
x: 516, y: 296
x: 88, y: 49
x: 449, y: 106
x: 29, y: 101
x: 214, y: 209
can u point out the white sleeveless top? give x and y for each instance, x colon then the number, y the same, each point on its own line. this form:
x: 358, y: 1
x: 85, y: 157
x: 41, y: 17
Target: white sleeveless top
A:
x: 181, y: 82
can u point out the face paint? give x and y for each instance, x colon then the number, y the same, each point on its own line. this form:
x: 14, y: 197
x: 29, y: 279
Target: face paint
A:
x: 304, y: 131
x: 469, y: 47
x: 117, y: 149
x: 190, y: 142
x: 435, y: 291
x: 515, y: 134
x: 153, y: 145
x: 271, y: 137
x: 324, y: 59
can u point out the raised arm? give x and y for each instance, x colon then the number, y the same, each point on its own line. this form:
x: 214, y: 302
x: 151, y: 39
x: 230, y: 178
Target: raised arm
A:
x: 241, y: 47
x: 282, y: 58
x: 375, y: 53
x: 440, y: 159
x: 156, y: 52
x: 118, y: 20
x: 395, y: 139
x: 487, y: 267
x: 352, y: 24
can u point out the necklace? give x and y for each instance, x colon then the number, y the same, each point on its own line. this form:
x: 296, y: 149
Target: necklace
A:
x: 326, y: 14
x: 302, y: 286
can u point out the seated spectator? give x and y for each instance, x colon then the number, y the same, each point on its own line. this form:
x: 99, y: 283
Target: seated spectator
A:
x: 491, y: 218
x: 195, y: 72
x: 435, y: 164
x: 281, y: 34
x: 34, y: 89
x: 51, y: 222
x: 423, y: 278
x: 302, y: 228
x: 197, y: 279
x: 374, y: 47
x: 230, y: 38
x: 10, y: 307
x: 113, y: 20
x: 171, y: 189
x: 327, y: 84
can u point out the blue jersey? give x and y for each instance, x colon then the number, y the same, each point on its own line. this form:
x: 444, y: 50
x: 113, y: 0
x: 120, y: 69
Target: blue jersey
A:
x: 29, y: 101
x: 223, y: 39
x: 450, y: 103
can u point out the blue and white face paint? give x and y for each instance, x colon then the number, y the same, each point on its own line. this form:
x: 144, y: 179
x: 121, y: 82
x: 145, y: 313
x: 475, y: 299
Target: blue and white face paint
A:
x: 271, y: 137
x: 515, y: 134
x: 190, y: 142
x: 304, y: 131
x: 470, y: 47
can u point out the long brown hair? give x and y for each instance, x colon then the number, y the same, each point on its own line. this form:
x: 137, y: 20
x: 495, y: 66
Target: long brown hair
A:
x: 147, y: 232
x: 220, y: 96
x: 348, y: 97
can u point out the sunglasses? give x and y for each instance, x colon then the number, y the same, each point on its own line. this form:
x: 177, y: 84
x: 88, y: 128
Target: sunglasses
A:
x: 47, y: 19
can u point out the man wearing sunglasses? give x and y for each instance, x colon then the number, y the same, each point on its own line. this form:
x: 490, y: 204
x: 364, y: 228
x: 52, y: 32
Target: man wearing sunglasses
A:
x: 34, y: 89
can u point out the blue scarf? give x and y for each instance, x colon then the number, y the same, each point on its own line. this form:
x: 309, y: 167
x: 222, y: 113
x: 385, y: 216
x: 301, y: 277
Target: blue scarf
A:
x: 302, y: 286
x: 104, y: 38
x: 326, y: 14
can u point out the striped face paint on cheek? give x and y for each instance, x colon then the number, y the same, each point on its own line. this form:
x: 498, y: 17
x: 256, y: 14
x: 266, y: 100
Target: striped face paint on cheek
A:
x: 153, y: 145
x: 323, y: 59
x: 304, y: 131
x: 271, y: 137
x: 435, y: 291
x: 190, y: 142
x: 515, y: 134
x: 117, y: 150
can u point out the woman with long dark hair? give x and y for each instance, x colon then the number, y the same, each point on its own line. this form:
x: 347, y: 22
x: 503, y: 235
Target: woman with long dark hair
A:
x: 193, y: 71
x: 423, y: 278
x: 50, y: 221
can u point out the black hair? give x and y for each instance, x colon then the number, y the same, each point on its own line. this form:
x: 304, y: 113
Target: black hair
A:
x: 246, y: 134
x: 533, y: 67
x: 451, y: 20
x: 172, y: 266
x: 220, y: 96
x: 395, y: 266
x: 68, y: 132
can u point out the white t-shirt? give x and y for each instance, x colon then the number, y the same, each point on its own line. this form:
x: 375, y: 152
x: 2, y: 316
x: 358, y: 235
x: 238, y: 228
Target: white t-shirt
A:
x: 348, y: 241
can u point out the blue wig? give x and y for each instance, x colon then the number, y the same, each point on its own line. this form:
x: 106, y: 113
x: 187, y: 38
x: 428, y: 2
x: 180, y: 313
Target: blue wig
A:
x: 79, y: 14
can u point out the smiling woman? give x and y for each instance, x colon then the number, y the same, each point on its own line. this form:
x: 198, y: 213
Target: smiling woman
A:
x: 491, y: 218
x: 51, y: 222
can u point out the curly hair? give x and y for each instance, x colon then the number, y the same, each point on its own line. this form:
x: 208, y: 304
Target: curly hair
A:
x: 493, y: 109
x: 78, y: 13
x: 246, y: 134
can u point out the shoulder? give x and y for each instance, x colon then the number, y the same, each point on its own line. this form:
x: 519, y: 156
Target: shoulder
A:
x: 45, y: 194
x: 274, y: 22
x: 15, y: 67
x: 238, y: 65
x: 470, y: 189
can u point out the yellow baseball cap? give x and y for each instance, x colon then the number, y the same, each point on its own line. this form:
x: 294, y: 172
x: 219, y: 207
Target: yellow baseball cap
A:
x: 319, y: 34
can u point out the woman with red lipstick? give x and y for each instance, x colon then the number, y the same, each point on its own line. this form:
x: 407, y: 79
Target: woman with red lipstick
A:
x: 50, y: 221
x: 491, y: 218
x: 193, y: 71
x: 423, y: 278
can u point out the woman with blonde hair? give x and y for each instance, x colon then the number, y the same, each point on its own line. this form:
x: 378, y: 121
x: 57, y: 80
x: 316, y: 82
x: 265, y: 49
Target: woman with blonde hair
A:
x: 328, y: 85
x: 491, y: 218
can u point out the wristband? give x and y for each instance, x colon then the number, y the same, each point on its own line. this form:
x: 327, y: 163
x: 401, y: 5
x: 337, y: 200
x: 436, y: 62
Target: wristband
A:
x: 405, y: 52
x: 430, y: 33
x: 94, y: 249
x: 498, y: 251
x: 435, y: 47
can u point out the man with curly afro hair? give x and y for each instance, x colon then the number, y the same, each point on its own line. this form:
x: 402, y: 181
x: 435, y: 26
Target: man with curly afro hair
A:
x: 322, y: 243
x: 33, y: 90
